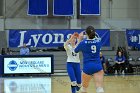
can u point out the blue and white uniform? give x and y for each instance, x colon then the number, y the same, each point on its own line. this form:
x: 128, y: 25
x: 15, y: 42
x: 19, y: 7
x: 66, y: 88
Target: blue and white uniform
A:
x: 73, y: 64
x: 90, y: 49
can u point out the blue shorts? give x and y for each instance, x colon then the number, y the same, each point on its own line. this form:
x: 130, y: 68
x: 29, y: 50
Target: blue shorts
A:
x: 74, y: 72
x: 92, y: 67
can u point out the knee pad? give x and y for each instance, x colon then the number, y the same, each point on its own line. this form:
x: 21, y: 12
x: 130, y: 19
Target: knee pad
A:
x: 73, y: 83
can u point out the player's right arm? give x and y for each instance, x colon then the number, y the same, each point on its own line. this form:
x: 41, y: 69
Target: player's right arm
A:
x: 78, y: 47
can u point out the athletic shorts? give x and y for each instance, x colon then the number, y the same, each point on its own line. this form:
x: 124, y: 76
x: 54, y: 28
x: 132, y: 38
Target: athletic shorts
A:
x: 90, y: 68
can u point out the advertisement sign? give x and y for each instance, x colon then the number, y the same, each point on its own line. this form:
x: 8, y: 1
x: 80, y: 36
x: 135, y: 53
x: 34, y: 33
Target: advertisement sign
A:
x: 15, y: 65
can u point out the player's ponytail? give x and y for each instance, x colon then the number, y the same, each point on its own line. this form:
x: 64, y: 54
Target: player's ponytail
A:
x: 90, y: 31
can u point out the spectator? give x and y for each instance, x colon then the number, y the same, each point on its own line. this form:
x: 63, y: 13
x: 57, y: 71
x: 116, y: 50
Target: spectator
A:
x: 9, y: 52
x: 24, y: 50
x: 120, y: 60
x: 6, y: 51
x: 102, y: 58
x: 3, y: 51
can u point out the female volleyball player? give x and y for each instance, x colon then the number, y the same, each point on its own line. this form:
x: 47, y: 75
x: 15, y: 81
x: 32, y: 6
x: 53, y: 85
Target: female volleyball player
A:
x: 92, y: 66
x: 73, y: 63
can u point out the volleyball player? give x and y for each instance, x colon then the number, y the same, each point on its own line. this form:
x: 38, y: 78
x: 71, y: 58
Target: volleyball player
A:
x: 92, y: 67
x: 73, y: 63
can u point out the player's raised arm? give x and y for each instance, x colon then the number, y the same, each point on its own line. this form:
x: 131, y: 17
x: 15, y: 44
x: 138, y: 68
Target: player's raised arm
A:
x: 73, y: 36
x: 79, y: 37
x: 68, y: 41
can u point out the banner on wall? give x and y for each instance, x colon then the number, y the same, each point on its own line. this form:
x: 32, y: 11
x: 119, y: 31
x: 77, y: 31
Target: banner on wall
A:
x: 90, y: 7
x: 63, y: 7
x: 49, y: 38
x: 133, y: 37
x: 38, y: 7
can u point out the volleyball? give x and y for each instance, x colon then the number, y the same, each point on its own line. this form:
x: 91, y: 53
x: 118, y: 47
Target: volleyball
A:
x: 76, y: 34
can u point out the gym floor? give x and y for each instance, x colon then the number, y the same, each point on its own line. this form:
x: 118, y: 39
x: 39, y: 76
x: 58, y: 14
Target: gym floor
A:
x: 60, y: 84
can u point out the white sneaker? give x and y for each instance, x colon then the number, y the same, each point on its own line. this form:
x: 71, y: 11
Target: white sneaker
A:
x: 99, y: 90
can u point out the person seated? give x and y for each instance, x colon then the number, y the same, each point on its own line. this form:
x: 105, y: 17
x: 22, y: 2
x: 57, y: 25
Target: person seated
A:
x: 3, y: 51
x: 102, y: 58
x: 119, y: 62
x: 9, y: 52
x: 24, y: 50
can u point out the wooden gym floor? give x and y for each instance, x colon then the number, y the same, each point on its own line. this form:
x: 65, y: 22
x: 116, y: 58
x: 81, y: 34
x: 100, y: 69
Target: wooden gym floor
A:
x: 60, y: 84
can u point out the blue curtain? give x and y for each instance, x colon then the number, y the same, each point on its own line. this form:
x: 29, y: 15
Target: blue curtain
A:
x: 89, y: 7
x: 63, y: 7
x: 38, y: 7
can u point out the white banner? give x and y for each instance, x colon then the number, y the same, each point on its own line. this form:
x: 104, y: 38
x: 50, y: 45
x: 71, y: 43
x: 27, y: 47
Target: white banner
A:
x: 27, y: 65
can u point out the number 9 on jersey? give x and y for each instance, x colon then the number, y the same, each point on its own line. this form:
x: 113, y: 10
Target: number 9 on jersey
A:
x: 93, y: 49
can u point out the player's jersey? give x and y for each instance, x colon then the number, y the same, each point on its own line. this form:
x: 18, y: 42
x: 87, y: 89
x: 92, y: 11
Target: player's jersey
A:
x: 90, y: 49
x: 71, y: 55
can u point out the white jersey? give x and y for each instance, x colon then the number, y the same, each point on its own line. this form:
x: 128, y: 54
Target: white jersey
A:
x: 71, y: 55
